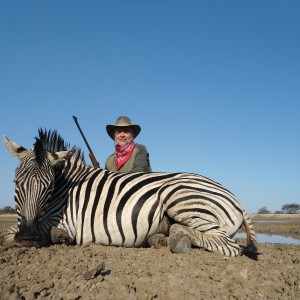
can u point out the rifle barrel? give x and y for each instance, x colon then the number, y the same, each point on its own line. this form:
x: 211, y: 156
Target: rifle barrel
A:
x: 91, y: 154
x: 86, y: 142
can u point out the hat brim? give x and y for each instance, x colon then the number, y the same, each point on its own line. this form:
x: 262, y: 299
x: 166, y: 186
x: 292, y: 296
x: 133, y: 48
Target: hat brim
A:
x: 110, y: 129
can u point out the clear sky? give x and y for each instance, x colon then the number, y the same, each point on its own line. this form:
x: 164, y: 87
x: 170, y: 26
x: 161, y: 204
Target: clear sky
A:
x: 215, y: 86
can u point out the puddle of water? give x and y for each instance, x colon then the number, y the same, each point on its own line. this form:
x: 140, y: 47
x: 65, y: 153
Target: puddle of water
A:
x: 271, y: 238
x: 274, y: 221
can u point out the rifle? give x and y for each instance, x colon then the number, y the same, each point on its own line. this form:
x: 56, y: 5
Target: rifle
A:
x: 91, y: 154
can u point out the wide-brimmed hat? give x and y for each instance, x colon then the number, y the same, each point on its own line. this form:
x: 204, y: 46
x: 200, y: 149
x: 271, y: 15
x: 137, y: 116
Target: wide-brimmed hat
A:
x: 123, y: 121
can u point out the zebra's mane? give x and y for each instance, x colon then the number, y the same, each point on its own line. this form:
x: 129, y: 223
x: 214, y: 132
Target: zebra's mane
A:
x: 52, y: 142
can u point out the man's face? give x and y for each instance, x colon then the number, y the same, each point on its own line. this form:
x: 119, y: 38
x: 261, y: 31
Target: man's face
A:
x: 123, y: 136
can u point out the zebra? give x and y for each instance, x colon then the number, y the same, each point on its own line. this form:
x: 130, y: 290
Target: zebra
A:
x: 55, y: 188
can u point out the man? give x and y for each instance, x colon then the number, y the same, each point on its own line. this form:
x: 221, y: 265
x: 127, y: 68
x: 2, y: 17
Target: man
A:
x: 128, y: 156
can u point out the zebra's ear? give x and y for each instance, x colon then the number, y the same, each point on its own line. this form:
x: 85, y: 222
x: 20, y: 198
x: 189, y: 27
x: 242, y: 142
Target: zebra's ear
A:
x: 15, y: 149
x: 60, y: 156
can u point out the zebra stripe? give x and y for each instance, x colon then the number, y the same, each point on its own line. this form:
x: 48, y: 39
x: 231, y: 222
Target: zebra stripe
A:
x: 54, y: 187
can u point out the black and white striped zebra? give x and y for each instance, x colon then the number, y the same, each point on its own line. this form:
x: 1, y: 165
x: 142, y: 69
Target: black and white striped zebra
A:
x: 54, y: 187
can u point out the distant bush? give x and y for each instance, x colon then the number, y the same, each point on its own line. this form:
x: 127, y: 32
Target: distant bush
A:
x: 263, y: 210
x: 292, y: 208
x: 7, y: 210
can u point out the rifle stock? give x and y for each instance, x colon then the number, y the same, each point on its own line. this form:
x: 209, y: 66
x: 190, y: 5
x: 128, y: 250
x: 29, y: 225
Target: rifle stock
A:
x: 91, y: 154
x: 94, y: 160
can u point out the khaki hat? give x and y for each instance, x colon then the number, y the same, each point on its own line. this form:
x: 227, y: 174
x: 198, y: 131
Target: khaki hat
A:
x: 123, y: 122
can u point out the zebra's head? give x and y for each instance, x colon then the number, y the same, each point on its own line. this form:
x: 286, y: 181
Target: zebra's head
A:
x: 35, y: 179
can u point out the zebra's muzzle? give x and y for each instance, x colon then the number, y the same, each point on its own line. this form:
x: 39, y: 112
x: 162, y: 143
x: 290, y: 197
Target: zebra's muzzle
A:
x: 28, y: 234
x: 27, y: 240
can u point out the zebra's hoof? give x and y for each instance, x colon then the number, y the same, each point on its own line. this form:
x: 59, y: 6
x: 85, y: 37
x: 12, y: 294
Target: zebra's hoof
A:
x: 58, y: 235
x: 158, y: 240
x: 180, y: 244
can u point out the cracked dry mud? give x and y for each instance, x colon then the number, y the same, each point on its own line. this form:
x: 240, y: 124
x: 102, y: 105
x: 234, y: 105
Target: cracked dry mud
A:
x: 104, y: 272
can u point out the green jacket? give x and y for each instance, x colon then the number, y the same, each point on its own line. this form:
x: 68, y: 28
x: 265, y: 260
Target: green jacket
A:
x: 138, y: 161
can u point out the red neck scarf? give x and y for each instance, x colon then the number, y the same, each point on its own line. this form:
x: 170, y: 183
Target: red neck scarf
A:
x: 123, y: 153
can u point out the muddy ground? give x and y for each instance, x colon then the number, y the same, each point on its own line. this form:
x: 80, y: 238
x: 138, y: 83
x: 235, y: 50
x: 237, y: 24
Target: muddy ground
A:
x: 103, y: 272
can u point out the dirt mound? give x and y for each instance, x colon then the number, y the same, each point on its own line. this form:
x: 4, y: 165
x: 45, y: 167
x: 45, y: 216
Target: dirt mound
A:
x: 95, y: 271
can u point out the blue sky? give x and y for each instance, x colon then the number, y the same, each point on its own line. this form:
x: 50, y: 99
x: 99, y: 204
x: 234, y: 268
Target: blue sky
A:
x: 215, y: 86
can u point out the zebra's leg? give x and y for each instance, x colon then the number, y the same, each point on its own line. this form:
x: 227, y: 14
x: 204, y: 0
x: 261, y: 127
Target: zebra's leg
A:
x: 160, y: 239
x: 179, y: 239
x: 58, y: 235
x: 213, y: 239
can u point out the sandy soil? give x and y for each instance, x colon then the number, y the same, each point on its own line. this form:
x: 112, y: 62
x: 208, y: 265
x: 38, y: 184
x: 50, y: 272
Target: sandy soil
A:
x: 103, y: 272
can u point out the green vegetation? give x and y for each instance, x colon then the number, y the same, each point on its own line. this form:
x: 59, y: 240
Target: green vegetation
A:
x: 292, y: 208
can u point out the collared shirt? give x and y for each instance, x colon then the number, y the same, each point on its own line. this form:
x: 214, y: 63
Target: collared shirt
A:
x: 138, y: 161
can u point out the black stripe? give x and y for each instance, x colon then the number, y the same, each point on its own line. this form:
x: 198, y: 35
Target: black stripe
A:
x: 139, y: 187
x: 185, y: 198
x: 137, y: 208
x: 96, y: 202
x: 195, y: 197
x: 200, y: 210
x: 86, y: 200
x: 79, y: 187
x: 152, y: 212
x: 107, y: 202
x: 127, y: 179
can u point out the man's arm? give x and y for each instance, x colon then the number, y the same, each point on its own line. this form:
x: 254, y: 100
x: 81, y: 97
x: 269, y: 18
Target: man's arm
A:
x: 142, y: 162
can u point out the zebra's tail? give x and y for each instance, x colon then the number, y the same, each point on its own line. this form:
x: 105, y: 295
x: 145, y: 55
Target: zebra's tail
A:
x: 251, y: 250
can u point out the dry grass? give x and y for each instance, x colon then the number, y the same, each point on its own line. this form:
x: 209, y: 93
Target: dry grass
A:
x: 275, y: 217
x: 8, y: 217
